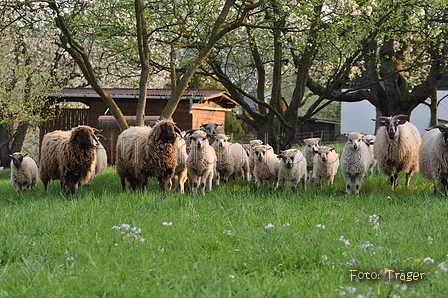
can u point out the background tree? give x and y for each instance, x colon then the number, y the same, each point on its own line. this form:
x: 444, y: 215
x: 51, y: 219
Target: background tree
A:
x: 289, y: 50
x: 30, y: 66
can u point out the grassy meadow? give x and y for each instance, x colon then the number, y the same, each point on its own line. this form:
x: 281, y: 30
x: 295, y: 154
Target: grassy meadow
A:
x: 234, y: 242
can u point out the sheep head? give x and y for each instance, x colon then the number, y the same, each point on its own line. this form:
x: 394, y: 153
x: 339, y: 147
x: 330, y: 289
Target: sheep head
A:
x: 84, y: 136
x: 354, y: 140
x: 288, y: 157
x: 166, y: 131
x: 198, y: 138
x: 444, y: 130
x: 368, y: 139
x: 392, y: 123
x: 210, y: 128
x: 17, y: 158
x: 323, y: 152
x: 261, y: 151
x: 222, y: 139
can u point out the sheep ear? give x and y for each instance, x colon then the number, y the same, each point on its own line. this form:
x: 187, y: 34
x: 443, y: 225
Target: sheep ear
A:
x: 331, y: 149
x: 157, y: 132
x: 400, y: 122
x: 280, y: 156
x: 295, y: 151
x: 318, y: 139
x: 26, y: 154
x: 208, y: 137
x: 10, y: 156
x: 216, y: 125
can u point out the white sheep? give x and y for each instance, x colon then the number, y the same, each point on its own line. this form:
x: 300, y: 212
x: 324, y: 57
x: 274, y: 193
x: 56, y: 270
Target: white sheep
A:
x: 180, y: 173
x: 308, y: 152
x: 292, y: 168
x: 397, y: 146
x: 355, y: 161
x: 24, y: 173
x: 200, y: 162
x: 369, y: 140
x: 231, y: 159
x: 433, y: 157
x: 325, y: 164
x: 252, y: 155
x: 265, y: 166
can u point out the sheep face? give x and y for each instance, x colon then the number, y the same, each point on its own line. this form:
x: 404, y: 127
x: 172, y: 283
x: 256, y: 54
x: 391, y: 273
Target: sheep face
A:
x: 166, y: 132
x: 223, y: 140
x: 198, y: 139
x: 368, y: 139
x: 322, y: 152
x: 84, y: 137
x: 311, y: 143
x: 210, y: 128
x: 17, y: 158
x: 354, y: 140
x: 391, y: 124
x: 288, y: 157
x: 261, y: 151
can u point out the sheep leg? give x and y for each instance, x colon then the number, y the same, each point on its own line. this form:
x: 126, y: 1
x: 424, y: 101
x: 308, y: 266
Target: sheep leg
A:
x: 408, y: 178
x: 358, y: 183
x: 259, y: 183
x: 347, y: 189
x: 294, y: 185
x: 304, y: 183
x: 209, y: 182
x: 318, y: 182
x: 281, y: 182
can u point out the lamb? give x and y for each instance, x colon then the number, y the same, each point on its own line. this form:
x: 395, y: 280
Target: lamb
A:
x: 292, y: 168
x: 24, y: 173
x: 325, y: 164
x: 308, y: 152
x: 397, y: 146
x: 231, y: 159
x: 180, y: 173
x: 266, y: 166
x: 433, y: 157
x: 252, y: 155
x: 144, y: 152
x: 355, y: 161
x: 200, y: 162
x: 369, y: 140
x: 68, y: 156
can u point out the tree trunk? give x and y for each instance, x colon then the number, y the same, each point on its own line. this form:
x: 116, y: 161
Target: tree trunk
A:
x: 433, y: 107
x: 79, y: 54
x: 143, y: 50
x: 215, y: 35
x: 11, y: 142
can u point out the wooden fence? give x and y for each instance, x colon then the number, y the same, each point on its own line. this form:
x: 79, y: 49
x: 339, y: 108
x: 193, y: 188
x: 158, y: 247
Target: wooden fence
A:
x: 65, y: 119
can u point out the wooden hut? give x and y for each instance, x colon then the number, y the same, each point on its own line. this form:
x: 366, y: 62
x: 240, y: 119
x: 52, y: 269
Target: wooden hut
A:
x: 196, y: 107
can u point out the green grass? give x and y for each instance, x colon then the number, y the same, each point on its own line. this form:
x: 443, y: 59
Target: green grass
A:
x: 57, y: 245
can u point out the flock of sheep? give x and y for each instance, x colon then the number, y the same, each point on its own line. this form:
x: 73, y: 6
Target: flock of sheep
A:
x: 198, y: 155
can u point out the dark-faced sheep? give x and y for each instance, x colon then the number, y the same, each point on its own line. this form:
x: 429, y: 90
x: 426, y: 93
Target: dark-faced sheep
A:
x: 144, y: 152
x: 397, y: 147
x: 24, y: 173
x: 68, y: 156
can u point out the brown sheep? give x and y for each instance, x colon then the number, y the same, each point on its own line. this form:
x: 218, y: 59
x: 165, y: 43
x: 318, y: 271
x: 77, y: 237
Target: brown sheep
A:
x: 68, y: 156
x: 144, y: 152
